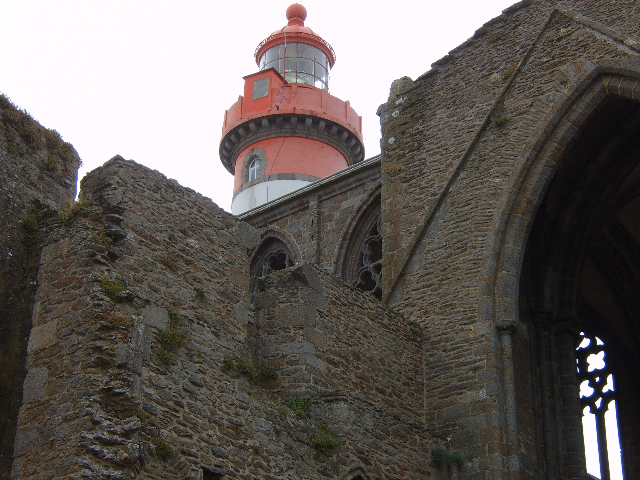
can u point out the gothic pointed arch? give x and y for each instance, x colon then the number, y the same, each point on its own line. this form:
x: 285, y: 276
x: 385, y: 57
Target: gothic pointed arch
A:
x: 356, y: 474
x: 564, y: 258
x: 358, y: 260
x: 276, y: 251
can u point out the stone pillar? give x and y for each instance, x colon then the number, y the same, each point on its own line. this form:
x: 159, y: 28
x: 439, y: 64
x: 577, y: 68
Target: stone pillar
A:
x: 314, y: 229
x: 574, y: 459
x: 545, y: 377
x: 506, y: 329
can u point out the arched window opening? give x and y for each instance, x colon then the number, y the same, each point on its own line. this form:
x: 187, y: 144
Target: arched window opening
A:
x: 369, y: 274
x: 359, y: 258
x: 581, y: 268
x: 208, y: 474
x: 273, y: 255
x: 254, y: 169
x: 356, y: 474
x: 597, y: 397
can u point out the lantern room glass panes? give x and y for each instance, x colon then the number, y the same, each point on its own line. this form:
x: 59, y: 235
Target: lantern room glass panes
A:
x: 298, y: 63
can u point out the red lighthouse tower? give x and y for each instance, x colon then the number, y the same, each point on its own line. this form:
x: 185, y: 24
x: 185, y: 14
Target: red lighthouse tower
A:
x: 287, y: 130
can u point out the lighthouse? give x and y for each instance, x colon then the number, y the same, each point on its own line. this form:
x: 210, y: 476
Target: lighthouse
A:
x: 287, y: 131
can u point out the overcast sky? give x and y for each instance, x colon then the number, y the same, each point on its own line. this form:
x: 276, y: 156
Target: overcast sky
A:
x: 150, y: 80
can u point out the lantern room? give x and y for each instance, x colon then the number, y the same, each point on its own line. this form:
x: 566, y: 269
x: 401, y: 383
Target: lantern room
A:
x: 296, y: 52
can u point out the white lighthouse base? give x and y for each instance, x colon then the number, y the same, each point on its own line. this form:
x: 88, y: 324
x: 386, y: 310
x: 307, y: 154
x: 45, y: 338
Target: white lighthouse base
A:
x: 264, y: 192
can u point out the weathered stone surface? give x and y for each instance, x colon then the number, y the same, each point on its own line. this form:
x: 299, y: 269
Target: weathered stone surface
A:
x: 155, y: 316
x: 33, y: 388
x: 42, y: 336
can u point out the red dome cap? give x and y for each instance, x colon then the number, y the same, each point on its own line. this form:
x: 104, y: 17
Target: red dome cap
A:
x: 296, y: 14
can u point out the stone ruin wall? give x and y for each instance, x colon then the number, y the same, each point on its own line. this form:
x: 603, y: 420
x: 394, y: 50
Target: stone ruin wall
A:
x: 37, y: 170
x: 142, y: 327
x: 448, y: 162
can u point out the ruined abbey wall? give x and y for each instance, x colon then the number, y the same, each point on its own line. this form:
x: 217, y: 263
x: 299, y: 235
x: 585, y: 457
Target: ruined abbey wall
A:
x: 38, y: 172
x: 455, y: 145
x: 149, y: 357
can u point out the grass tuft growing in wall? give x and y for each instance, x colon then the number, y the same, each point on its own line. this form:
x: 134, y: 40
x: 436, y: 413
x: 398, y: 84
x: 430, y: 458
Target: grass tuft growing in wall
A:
x: 200, y: 295
x: 244, y: 366
x: 172, y: 337
x: 163, y: 450
x: 511, y: 69
x: 165, y: 356
x: 70, y: 210
x: 112, y: 286
x: 323, y: 442
x: 299, y: 405
x: 267, y: 373
x: 440, y: 456
x: 499, y: 121
x: 102, y: 239
x: 30, y: 227
x: 117, y: 319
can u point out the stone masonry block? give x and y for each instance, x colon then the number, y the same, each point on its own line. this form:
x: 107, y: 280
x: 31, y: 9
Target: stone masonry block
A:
x: 34, y: 385
x: 42, y: 336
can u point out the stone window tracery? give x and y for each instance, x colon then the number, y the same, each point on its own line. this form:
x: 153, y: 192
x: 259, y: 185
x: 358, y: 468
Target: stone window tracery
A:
x: 369, y: 268
x: 596, y: 389
x: 359, y: 258
x: 272, y: 255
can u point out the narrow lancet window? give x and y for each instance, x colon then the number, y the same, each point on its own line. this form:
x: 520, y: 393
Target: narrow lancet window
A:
x: 254, y: 169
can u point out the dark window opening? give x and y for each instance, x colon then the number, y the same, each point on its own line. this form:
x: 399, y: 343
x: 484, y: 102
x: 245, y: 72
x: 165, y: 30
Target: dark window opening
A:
x: 211, y: 474
x: 361, y: 263
x: 273, y: 255
x: 277, y: 261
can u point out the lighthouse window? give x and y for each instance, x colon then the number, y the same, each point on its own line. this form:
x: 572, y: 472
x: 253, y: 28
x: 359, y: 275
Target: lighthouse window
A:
x: 260, y: 87
x: 305, y: 78
x: 305, y: 65
x: 306, y: 51
x: 290, y: 64
x: 254, y: 169
x: 302, y: 64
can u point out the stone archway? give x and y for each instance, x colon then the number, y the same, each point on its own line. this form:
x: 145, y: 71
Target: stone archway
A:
x: 565, y: 257
x: 276, y: 251
x: 358, y: 260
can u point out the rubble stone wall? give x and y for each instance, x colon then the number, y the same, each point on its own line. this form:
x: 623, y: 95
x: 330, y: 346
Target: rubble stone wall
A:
x: 358, y: 361
x: 149, y: 359
x: 33, y: 180
x: 454, y: 143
